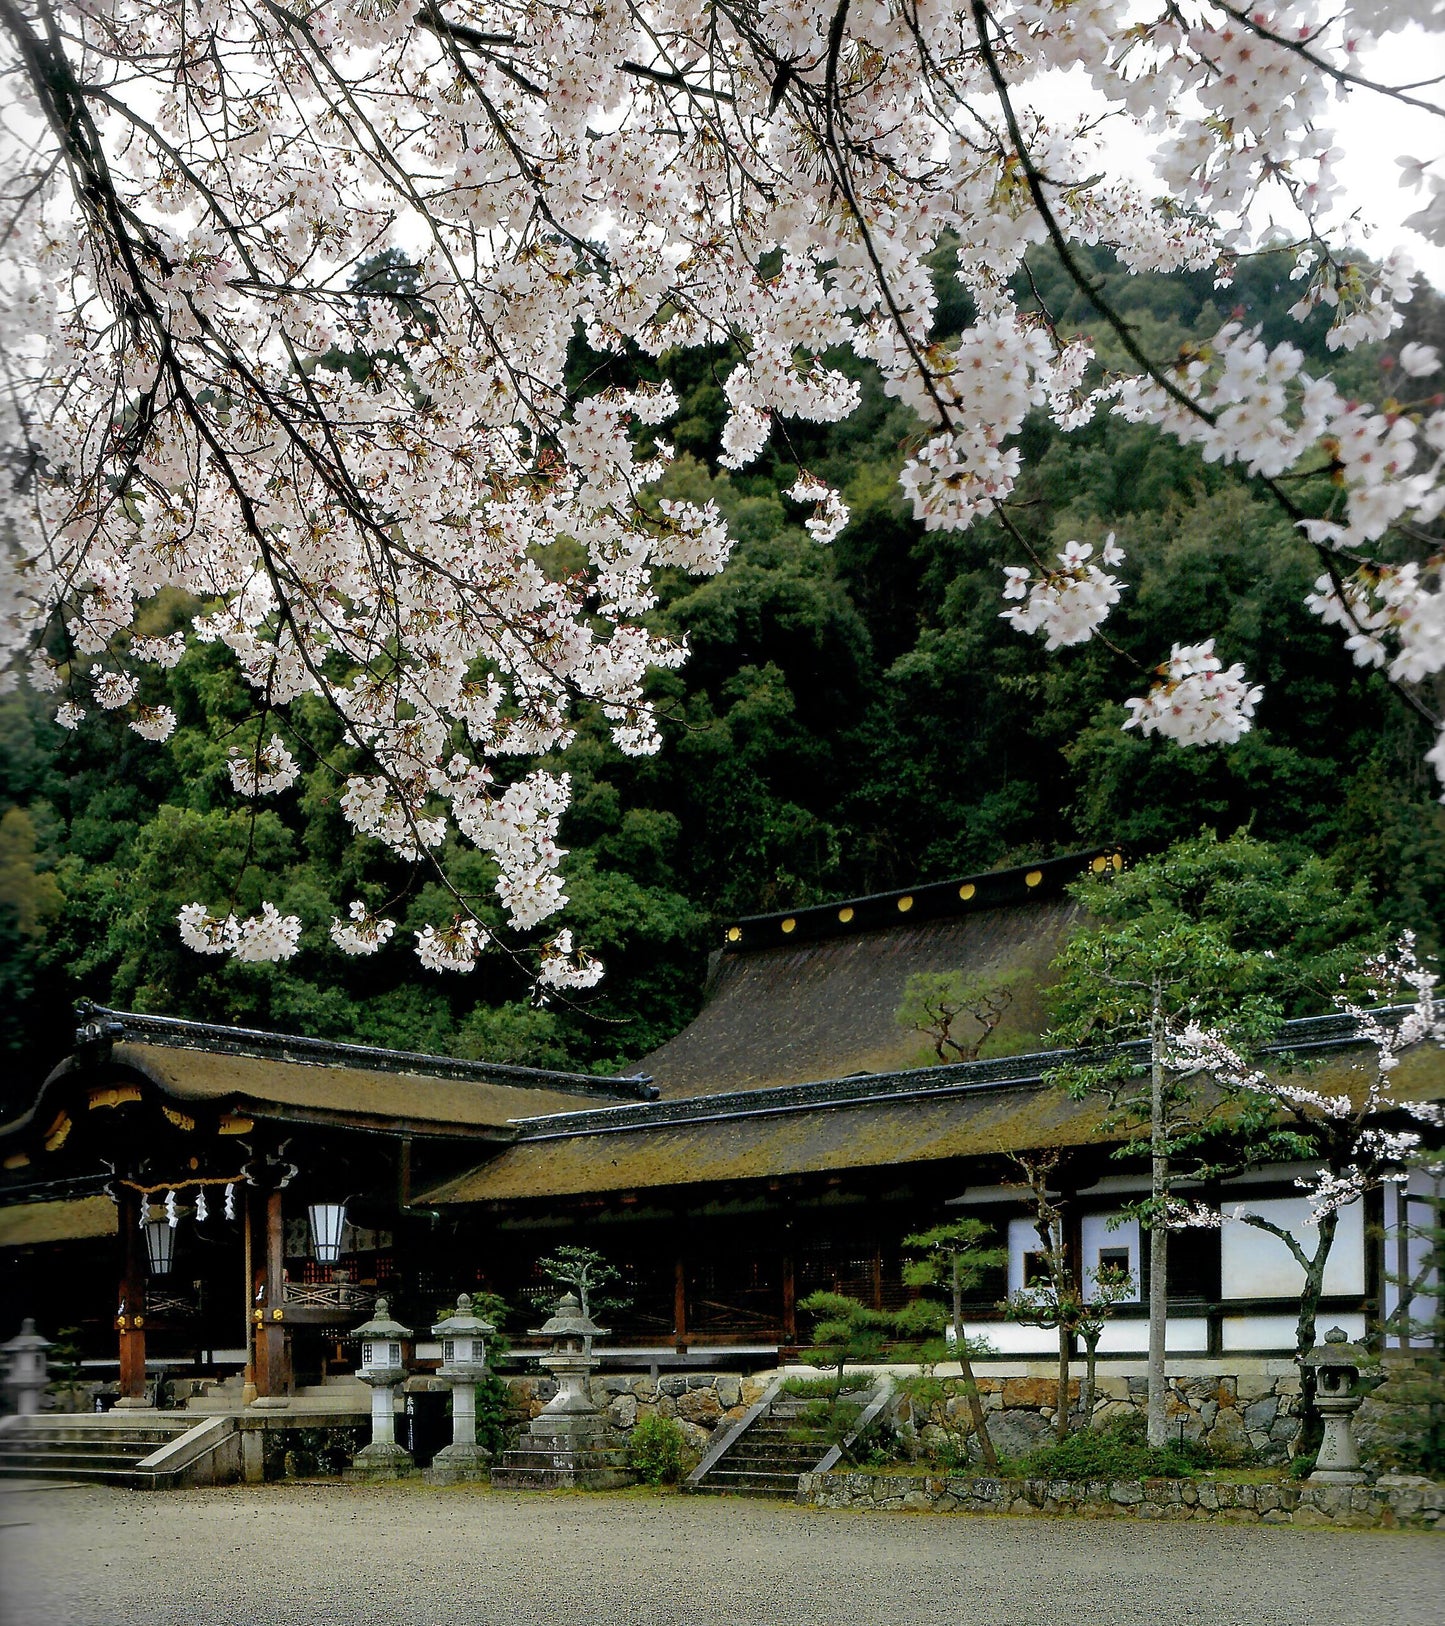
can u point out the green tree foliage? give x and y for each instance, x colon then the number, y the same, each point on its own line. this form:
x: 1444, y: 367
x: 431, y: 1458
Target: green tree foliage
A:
x: 846, y: 1332
x: 852, y: 718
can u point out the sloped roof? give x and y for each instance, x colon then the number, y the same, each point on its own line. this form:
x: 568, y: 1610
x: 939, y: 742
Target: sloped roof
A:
x: 974, y: 1109
x: 30, y: 1223
x: 814, y: 994
x: 322, y: 1092
x: 279, y: 1076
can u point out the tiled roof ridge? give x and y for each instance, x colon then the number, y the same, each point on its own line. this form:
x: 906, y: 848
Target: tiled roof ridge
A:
x: 100, y: 1025
x: 1329, y: 1032
x: 932, y: 900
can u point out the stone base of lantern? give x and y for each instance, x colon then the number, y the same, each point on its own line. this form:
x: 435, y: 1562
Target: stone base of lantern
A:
x: 380, y: 1461
x: 577, y: 1453
x: 459, y: 1464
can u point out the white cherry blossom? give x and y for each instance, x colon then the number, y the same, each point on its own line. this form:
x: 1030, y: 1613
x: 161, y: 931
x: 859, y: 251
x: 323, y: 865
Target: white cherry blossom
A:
x: 207, y: 200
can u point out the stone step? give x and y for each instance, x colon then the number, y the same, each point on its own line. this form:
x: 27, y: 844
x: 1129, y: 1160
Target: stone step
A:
x: 530, y: 1461
x: 740, y: 1479
x: 510, y: 1478
x: 89, y: 1476
x: 57, y: 1439
x: 69, y: 1462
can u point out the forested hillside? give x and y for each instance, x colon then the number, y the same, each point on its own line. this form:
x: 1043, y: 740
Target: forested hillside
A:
x: 853, y: 717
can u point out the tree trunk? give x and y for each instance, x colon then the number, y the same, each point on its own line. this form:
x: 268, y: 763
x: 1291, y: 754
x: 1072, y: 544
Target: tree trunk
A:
x: 1307, y: 1330
x: 1091, y: 1363
x: 1158, y: 1234
x: 1061, y: 1413
x: 970, y: 1383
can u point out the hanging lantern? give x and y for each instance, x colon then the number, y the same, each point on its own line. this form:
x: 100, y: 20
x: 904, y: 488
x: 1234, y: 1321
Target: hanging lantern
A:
x: 160, y: 1238
x: 327, y: 1220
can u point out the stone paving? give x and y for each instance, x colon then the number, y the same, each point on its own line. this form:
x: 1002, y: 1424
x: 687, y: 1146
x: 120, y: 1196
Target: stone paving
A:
x: 407, y: 1555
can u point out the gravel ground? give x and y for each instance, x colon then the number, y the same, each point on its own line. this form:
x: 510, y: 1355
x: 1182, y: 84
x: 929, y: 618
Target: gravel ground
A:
x: 333, y: 1555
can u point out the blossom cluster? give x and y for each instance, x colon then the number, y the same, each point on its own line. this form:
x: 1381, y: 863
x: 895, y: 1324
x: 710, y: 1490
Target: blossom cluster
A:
x: 1069, y: 604
x: 363, y: 933
x: 1197, y: 700
x: 266, y: 936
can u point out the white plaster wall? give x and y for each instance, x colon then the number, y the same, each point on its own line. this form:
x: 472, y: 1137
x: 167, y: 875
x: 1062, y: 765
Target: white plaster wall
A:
x: 1014, y: 1338
x: 1094, y: 1233
x: 1277, y: 1331
x: 1183, y: 1335
x: 1254, y: 1264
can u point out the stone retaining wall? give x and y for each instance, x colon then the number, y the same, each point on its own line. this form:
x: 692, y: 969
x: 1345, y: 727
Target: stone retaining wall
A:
x: 1250, y: 1416
x: 1381, y: 1506
x: 700, y: 1401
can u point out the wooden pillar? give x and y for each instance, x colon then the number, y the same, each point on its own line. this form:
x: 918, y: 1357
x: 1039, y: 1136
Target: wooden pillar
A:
x: 273, y: 1376
x: 877, y: 1275
x: 130, y: 1321
x: 680, y: 1282
x: 790, y: 1297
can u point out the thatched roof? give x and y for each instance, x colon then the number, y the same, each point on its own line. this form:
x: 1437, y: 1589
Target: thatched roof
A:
x: 973, y: 1110
x: 813, y: 994
x: 319, y: 1092
x: 30, y: 1223
x: 241, y: 1073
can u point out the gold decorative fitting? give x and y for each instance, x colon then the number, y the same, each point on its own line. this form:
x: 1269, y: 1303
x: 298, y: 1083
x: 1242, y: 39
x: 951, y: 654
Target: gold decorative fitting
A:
x: 904, y: 905
x: 1100, y: 864
x: 789, y: 924
x: 137, y: 1321
x: 18, y: 1160
x: 1033, y: 877
x: 276, y: 1315
x: 967, y: 890
x: 845, y: 915
x: 1118, y: 860
x: 56, y: 1134
x: 180, y: 1119
x: 232, y: 1124
x: 735, y: 934
x: 113, y: 1095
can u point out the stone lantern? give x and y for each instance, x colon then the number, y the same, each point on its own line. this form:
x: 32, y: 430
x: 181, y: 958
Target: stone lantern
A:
x: 464, y: 1364
x: 568, y: 1442
x: 570, y: 1359
x: 383, y: 1367
x: 26, y: 1372
x: 1337, y: 1364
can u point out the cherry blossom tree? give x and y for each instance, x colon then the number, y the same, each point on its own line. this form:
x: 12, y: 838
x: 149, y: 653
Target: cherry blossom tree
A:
x: 1356, y: 1141
x: 193, y: 190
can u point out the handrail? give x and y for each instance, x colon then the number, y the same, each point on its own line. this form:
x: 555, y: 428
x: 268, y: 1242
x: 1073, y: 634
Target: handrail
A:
x: 723, y: 1440
x: 881, y: 1395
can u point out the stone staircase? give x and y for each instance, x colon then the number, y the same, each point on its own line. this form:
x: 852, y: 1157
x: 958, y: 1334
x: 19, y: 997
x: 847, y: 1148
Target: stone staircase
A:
x: 766, y: 1458
x: 107, y: 1448
x: 563, y: 1461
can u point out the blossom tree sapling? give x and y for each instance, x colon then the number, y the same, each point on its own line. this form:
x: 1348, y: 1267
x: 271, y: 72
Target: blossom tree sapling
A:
x: 1356, y: 1140
x: 194, y: 190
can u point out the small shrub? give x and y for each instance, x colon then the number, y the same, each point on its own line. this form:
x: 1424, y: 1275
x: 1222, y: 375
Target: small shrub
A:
x: 499, y: 1414
x: 809, y: 1388
x: 1118, y: 1451
x: 657, y: 1451
x: 1302, y: 1466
